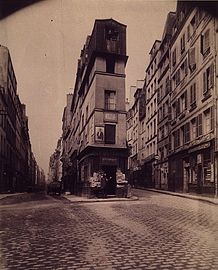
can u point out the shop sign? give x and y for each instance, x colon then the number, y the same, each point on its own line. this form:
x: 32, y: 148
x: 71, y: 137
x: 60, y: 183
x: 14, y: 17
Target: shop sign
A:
x: 111, y: 117
x: 111, y: 161
x: 199, y: 147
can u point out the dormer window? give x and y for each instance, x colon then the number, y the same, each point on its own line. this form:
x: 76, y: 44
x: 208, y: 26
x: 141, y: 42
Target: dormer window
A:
x: 112, y: 34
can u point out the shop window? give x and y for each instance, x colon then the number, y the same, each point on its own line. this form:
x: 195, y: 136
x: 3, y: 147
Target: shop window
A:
x: 193, y: 170
x: 205, y: 43
x: 207, y: 167
x: 110, y: 134
x: 110, y: 100
x: 110, y: 65
x: 208, y: 80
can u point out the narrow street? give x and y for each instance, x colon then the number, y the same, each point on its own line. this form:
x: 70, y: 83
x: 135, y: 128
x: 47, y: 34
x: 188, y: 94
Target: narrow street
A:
x: 158, y: 231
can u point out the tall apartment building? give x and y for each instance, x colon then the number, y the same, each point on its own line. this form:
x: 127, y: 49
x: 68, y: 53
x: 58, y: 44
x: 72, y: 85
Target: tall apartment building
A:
x: 193, y: 52
x: 97, y: 131
x: 150, y: 119
x: 163, y: 104
x: 15, y: 147
x: 133, y: 133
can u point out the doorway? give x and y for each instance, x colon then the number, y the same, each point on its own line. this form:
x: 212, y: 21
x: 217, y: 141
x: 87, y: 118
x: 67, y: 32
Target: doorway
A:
x: 110, y: 172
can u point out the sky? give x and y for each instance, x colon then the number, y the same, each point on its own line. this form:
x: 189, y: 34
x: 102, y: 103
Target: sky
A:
x: 45, y: 41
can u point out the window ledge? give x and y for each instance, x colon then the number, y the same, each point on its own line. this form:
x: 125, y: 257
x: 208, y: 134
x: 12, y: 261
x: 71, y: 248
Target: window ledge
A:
x: 206, y: 96
x: 193, y: 106
x: 182, y: 115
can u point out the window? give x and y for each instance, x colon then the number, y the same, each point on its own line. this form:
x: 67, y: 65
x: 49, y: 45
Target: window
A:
x: 110, y: 100
x: 208, y: 80
x: 174, y: 57
x: 188, y: 32
x: 110, y: 65
x: 207, y: 167
x: 193, y: 24
x: 177, y: 138
x: 193, y: 129
x: 110, y: 134
x: 193, y: 93
x: 87, y: 111
x: 183, y: 102
x: 205, y: 43
x: 177, y: 77
x: 187, y: 132
x: 112, y: 34
x: 192, y: 59
x: 184, y: 69
x: 182, y: 43
x: 208, y: 120
x: 199, y: 125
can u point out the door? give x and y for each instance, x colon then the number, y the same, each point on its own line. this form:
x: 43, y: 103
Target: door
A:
x: 111, y: 177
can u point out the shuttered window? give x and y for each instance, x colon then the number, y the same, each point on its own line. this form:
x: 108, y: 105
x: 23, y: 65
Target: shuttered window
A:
x: 208, y: 79
x: 110, y: 134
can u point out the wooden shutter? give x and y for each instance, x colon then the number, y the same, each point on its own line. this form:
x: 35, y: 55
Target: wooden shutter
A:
x: 192, y: 58
x: 205, y: 88
x: 211, y: 76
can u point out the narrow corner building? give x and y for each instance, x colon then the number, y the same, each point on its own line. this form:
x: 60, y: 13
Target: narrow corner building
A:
x: 97, y: 133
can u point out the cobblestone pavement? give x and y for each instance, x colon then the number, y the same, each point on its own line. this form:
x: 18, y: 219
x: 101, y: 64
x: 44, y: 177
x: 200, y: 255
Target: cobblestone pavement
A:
x: 156, y: 232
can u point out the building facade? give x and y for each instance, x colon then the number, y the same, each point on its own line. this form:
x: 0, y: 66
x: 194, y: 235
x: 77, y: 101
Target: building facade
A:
x: 179, y: 98
x: 150, y: 119
x: 97, y: 132
x: 193, y: 155
x: 15, y: 147
x: 163, y: 105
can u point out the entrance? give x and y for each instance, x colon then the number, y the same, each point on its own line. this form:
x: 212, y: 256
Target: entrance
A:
x: 110, y: 172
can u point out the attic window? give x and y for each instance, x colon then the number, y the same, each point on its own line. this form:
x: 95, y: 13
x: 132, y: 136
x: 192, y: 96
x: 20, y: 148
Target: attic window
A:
x: 112, y: 34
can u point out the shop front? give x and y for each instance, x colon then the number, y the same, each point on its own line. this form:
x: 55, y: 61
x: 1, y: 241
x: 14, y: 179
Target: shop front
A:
x: 199, y: 169
x: 101, y: 162
x: 192, y: 170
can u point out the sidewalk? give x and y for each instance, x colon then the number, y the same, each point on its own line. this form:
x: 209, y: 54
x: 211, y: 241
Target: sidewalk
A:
x: 2, y: 196
x: 198, y: 197
x: 79, y: 199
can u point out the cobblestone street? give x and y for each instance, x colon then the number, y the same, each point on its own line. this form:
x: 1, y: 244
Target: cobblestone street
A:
x: 156, y: 232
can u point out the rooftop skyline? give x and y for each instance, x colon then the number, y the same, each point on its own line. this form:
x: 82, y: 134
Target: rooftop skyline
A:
x: 45, y: 41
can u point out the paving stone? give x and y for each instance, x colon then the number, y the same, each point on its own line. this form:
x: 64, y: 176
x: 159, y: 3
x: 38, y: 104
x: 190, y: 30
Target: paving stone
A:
x: 157, y: 232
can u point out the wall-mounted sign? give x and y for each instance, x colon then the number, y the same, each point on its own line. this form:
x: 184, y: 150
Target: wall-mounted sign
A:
x: 107, y: 160
x: 99, y: 134
x: 110, y: 117
x: 199, y: 147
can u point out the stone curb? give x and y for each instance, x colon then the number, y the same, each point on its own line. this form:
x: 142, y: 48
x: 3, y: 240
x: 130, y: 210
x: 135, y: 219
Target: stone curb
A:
x: 192, y: 197
x: 85, y: 200
x: 3, y: 196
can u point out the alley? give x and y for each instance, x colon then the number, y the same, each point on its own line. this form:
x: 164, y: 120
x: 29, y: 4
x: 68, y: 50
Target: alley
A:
x: 156, y: 232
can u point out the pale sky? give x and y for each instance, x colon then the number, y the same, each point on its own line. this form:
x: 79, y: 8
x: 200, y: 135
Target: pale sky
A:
x: 45, y: 41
